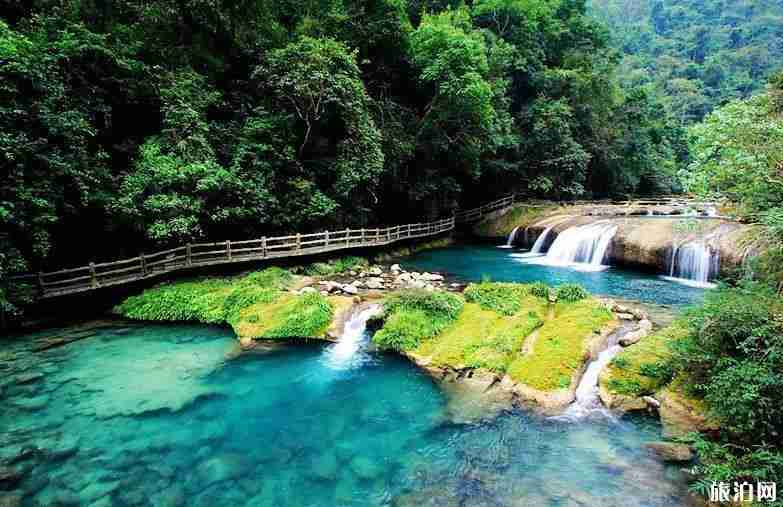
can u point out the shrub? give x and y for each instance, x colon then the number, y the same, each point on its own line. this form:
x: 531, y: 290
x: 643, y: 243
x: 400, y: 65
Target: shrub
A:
x: 415, y: 315
x: 540, y: 289
x: 571, y: 292
x: 502, y: 298
x: 334, y: 266
x: 309, y: 315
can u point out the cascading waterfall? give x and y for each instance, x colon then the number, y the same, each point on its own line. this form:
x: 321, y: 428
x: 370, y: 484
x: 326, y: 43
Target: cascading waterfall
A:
x: 344, y: 353
x: 511, y: 238
x: 695, y: 262
x: 538, y: 246
x: 584, y: 244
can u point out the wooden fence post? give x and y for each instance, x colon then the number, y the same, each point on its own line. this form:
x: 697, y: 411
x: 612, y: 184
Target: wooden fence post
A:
x: 298, y: 241
x: 188, y: 255
x: 41, y: 282
x: 263, y: 246
x: 93, y: 276
x: 326, y: 238
x: 228, y: 248
x: 347, y: 237
x: 143, y: 265
x: 378, y: 235
x: 361, y: 241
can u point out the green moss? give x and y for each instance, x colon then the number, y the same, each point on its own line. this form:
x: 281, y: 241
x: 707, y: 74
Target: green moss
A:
x: 561, y: 345
x: 415, y: 315
x: 518, y: 216
x: 483, y: 338
x: 255, y: 305
x: 643, y: 368
x: 503, y: 298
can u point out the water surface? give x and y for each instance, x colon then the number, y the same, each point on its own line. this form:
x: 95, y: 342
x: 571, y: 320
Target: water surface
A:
x: 479, y: 262
x: 161, y: 415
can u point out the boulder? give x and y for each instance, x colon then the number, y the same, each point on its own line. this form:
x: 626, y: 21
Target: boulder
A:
x: 395, y: 268
x: 625, y: 316
x: 681, y: 415
x: 432, y: 277
x: 651, y: 402
x: 671, y: 452
x: 376, y: 271
x: 350, y: 289
x: 374, y: 283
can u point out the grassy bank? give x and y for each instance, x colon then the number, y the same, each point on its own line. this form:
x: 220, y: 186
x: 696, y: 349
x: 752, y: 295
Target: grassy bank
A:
x: 499, y: 327
x: 255, y: 305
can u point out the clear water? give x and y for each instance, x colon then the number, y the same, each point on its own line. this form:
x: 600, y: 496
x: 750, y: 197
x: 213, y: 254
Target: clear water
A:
x: 478, y: 262
x: 168, y: 415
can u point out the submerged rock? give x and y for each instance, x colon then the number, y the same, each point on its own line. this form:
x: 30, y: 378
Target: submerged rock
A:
x: 10, y: 500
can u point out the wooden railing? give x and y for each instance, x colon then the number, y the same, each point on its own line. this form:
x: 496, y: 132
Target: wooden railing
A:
x: 106, y: 274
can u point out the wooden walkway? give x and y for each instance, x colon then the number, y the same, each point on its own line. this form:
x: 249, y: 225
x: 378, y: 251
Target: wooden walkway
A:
x: 95, y: 276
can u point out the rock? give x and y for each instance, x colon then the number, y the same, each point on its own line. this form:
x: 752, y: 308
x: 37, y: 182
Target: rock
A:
x: 330, y: 286
x: 645, y: 326
x: 350, y: 289
x: 671, y: 452
x: 374, y: 283
x: 418, y: 284
x: 96, y: 490
x: 376, y: 271
x: 325, y: 466
x: 33, y: 404
x: 395, y: 268
x: 171, y: 497
x: 365, y: 468
x: 10, y: 477
x: 307, y: 290
x: 403, y: 279
x: 625, y: 316
x: 28, y: 378
x: 651, y: 402
x: 432, y: 277
x: 10, y: 500
x: 220, y: 468
x: 681, y: 415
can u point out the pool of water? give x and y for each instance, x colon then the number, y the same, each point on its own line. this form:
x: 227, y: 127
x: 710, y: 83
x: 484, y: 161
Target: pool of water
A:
x: 479, y: 262
x: 171, y: 416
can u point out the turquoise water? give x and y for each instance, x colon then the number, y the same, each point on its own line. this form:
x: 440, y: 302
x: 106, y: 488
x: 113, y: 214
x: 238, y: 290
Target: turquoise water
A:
x: 478, y: 262
x: 170, y: 416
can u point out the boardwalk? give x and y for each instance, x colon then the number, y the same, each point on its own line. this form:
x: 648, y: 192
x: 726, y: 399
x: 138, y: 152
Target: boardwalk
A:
x: 95, y: 276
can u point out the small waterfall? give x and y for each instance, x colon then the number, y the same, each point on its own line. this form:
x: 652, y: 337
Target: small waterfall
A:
x: 585, y: 244
x: 538, y: 246
x: 343, y: 354
x: 695, y: 262
x: 587, y: 400
x: 510, y: 240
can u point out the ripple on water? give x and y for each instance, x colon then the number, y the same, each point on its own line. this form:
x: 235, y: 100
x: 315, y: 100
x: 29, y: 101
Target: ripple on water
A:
x: 285, y: 428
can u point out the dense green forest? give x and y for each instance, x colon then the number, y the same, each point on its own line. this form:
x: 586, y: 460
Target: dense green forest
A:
x: 695, y: 54
x: 128, y: 125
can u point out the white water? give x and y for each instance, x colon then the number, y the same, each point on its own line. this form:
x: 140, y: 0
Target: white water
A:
x: 539, y: 244
x: 582, y: 247
x: 510, y: 240
x: 346, y: 352
x: 693, y: 263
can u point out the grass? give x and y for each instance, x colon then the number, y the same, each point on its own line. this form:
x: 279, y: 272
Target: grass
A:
x: 518, y: 216
x: 642, y: 368
x: 416, y: 315
x: 484, y: 338
x: 561, y: 346
x: 502, y: 298
x: 255, y: 305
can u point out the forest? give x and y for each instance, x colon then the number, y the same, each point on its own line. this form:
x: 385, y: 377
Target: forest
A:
x: 129, y: 125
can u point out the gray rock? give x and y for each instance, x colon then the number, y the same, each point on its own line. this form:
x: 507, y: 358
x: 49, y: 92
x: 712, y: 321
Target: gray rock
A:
x: 395, y: 268
x: 432, y: 277
x: 651, y: 402
x: 625, y: 316
x: 307, y: 290
x: 350, y: 289
x: 376, y: 271
x: 220, y: 468
x: 374, y: 283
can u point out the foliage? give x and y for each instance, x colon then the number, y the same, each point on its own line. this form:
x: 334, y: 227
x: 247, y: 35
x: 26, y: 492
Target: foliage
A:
x: 415, y: 315
x: 502, y: 298
x: 540, y: 289
x: 571, y: 292
x: 335, y: 266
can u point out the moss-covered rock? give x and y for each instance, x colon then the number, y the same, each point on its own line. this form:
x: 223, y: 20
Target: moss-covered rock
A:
x: 256, y: 306
x: 501, y: 224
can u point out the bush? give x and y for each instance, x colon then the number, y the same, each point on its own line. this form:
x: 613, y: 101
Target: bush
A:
x: 334, y: 266
x: 571, y: 292
x: 416, y: 315
x: 540, y: 289
x: 309, y: 315
x: 502, y: 298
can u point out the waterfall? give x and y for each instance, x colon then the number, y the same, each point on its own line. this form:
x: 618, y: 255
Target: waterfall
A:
x: 539, y: 244
x: 345, y: 353
x: 694, y: 262
x: 511, y: 238
x: 587, y: 400
x: 584, y: 244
